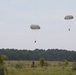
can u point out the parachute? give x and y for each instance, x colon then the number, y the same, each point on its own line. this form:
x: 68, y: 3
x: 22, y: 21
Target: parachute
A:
x: 34, y: 27
x: 68, y: 17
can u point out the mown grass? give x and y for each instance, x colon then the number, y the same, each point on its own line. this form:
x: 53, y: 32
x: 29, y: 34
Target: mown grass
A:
x: 24, y: 68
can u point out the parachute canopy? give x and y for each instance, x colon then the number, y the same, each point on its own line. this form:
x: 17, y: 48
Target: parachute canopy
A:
x: 68, y: 17
x: 35, y: 26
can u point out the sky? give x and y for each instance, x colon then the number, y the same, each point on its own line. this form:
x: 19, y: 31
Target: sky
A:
x: 16, y: 17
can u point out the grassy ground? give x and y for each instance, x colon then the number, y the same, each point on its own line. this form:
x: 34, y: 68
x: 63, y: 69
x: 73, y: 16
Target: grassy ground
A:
x: 51, y: 68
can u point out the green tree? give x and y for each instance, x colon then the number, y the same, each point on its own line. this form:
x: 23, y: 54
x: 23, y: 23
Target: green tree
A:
x: 2, y: 67
x: 33, y: 64
x: 42, y: 61
x: 66, y: 63
x: 74, y: 66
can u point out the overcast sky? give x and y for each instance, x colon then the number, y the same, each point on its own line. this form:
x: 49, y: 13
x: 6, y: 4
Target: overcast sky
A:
x: 16, y: 16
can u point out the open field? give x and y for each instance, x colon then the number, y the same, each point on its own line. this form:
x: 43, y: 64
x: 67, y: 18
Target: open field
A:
x: 50, y: 68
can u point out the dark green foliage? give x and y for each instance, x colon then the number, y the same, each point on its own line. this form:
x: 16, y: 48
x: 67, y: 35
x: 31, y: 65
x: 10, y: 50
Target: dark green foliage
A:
x: 42, y: 61
x: 1, y: 59
x: 1, y: 65
x: 74, y: 66
x: 33, y: 64
x: 66, y: 63
x: 19, y: 66
x: 1, y: 69
x: 50, y: 54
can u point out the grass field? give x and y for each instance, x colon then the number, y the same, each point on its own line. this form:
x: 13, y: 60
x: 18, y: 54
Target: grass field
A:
x: 51, y: 68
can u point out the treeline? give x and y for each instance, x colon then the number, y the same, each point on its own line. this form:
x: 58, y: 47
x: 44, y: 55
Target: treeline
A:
x: 49, y: 55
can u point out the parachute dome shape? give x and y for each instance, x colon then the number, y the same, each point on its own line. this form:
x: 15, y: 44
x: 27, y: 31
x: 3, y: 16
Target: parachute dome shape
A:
x: 68, y: 17
x: 34, y: 27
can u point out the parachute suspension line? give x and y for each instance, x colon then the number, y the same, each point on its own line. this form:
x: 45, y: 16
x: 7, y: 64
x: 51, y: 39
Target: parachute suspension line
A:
x: 69, y: 17
x: 35, y: 37
x: 68, y: 25
x: 35, y: 29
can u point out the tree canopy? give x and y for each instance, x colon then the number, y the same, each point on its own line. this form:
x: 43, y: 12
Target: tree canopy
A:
x: 50, y: 54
